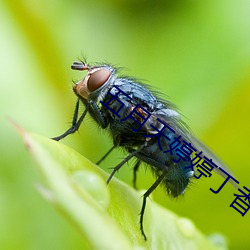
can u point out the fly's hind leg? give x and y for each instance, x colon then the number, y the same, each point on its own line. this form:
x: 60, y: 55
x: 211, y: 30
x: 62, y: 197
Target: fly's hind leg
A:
x: 135, y: 169
x: 145, y: 196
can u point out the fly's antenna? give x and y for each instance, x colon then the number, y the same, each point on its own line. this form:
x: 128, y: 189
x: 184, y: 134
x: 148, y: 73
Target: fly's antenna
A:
x: 80, y: 66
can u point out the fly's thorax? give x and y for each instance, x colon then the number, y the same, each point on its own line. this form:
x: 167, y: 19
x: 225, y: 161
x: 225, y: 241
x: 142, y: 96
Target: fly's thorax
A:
x: 96, y: 82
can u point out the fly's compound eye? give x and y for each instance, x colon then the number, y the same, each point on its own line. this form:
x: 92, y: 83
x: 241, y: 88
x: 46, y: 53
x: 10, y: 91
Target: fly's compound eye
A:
x: 97, y: 79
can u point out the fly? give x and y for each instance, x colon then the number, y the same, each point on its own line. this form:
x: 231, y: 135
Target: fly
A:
x: 148, y: 127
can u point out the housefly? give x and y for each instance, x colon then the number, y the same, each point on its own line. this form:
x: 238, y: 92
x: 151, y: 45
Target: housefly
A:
x: 147, y: 126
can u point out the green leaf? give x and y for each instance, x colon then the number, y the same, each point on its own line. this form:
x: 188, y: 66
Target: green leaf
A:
x: 107, y: 215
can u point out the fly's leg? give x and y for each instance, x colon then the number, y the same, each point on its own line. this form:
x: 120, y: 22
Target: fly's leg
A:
x: 145, y: 196
x: 135, y: 169
x: 93, y: 109
x: 124, y: 161
x: 75, y: 124
x: 105, y: 155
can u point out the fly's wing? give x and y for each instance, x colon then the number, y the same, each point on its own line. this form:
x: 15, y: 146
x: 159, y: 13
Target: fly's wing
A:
x: 173, y: 119
x: 209, y: 154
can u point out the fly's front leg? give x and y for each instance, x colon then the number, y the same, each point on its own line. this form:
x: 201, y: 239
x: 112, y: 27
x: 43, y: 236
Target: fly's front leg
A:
x: 75, y: 124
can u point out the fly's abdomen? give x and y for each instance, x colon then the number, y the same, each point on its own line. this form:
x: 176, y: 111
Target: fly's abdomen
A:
x: 163, y: 154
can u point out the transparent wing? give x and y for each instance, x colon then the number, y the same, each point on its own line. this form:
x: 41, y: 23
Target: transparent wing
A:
x: 209, y: 154
x: 173, y: 119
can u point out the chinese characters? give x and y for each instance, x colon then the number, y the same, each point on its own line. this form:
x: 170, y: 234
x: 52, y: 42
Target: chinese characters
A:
x: 182, y: 150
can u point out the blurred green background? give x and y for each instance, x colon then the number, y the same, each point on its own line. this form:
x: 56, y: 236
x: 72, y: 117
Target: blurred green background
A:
x: 195, y: 52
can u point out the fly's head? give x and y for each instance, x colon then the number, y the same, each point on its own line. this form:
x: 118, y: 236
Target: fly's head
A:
x: 93, y: 84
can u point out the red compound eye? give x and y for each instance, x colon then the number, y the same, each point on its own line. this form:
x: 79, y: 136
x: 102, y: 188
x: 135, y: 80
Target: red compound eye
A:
x: 97, y: 79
